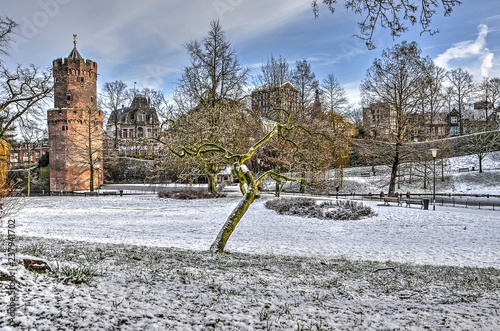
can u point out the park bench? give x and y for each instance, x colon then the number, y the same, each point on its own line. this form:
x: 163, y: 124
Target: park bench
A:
x: 410, y: 202
x: 392, y: 199
x: 366, y: 174
x: 463, y: 169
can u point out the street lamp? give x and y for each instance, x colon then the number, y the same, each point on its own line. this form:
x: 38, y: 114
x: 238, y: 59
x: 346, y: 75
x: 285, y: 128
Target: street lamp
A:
x: 98, y: 167
x: 434, y: 154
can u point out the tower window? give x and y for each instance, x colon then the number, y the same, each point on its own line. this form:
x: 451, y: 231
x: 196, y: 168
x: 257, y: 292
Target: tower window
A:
x: 91, y: 99
x: 70, y: 97
x: 65, y: 128
x: 79, y: 79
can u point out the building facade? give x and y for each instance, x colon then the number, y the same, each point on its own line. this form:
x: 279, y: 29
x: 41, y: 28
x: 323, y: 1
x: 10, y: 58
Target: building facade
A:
x: 267, y: 98
x: 126, y: 127
x: 75, y: 125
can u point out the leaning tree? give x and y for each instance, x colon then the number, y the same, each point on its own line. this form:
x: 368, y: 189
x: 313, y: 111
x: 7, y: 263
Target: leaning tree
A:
x: 249, y: 181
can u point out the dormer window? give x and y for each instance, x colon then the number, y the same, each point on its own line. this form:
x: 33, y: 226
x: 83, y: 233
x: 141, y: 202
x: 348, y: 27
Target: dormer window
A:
x: 454, y: 120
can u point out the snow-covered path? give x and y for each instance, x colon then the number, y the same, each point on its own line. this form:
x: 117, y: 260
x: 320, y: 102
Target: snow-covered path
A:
x: 447, y: 236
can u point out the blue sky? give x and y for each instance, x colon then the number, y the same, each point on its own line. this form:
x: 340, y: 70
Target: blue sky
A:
x: 142, y: 41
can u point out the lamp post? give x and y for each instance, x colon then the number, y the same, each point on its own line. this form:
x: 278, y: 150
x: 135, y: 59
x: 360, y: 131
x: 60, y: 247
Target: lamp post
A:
x: 434, y: 154
x: 98, y: 167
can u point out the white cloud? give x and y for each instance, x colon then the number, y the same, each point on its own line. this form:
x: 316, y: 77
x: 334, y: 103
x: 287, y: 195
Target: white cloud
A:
x: 472, y: 55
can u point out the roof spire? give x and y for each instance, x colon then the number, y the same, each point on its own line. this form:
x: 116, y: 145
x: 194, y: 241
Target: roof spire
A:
x: 74, y: 53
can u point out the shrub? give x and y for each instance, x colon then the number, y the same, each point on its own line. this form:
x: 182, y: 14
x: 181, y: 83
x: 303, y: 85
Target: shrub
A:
x: 190, y: 194
x: 334, y: 210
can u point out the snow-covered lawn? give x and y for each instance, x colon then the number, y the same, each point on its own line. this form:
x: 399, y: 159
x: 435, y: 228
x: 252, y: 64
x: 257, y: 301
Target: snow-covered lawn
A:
x: 447, y: 236
x: 406, y: 268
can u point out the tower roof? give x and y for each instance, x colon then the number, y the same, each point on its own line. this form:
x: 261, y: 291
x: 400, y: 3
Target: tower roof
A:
x: 74, y: 53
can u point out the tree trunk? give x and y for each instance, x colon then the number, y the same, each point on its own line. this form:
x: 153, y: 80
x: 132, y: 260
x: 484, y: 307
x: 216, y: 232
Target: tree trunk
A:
x: 220, y: 242
x: 394, y: 171
x: 212, y: 182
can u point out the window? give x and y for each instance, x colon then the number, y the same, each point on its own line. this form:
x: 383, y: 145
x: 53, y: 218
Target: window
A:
x: 454, y: 119
x: 149, y: 133
x: 69, y: 97
x: 91, y: 99
x: 65, y: 128
x: 79, y: 79
x: 124, y: 133
x: 140, y: 133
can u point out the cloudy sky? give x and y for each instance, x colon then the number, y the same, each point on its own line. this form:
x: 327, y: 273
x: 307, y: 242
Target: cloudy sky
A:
x: 142, y: 41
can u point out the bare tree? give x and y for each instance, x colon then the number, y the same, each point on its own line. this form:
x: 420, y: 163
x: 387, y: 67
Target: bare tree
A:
x: 489, y: 91
x: 86, y: 145
x: 394, y: 81
x: 7, y: 27
x: 463, y: 90
x: 391, y: 14
x: 482, y: 142
x: 304, y: 79
x: 113, y: 97
x: 334, y: 95
x: 433, y: 100
x: 211, y: 90
x: 274, y: 72
x: 31, y: 135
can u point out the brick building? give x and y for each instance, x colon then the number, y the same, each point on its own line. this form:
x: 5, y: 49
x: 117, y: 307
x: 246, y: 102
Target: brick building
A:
x: 75, y: 125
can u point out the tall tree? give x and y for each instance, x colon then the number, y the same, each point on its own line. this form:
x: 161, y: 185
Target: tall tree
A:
x: 113, y: 97
x: 463, y: 90
x: 86, y: 146
x: 333, y: 93
x: 391, y: 14
x: 274, y: 72
x: 433, y: 100
x: 210, y: 91
x: 31, y: 135
x: 394, y: 81
x: 304, y: 79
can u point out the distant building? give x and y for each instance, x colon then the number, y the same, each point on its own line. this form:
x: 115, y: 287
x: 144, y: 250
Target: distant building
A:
x: 20, y: 153
x: 380, y: 119
x: 453, y: 121
x: 266, y: 98
x: 139, y: 120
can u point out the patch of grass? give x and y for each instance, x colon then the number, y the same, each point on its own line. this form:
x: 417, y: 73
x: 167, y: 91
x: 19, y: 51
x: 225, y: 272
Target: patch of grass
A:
x: 190, y: 194
x: 79, y: 274
x: 35, y: 249
x: 332, y: 210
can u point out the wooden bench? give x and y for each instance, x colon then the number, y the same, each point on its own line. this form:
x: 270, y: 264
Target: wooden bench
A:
x: 463, y: 169
x: 410, y: 202
x: 392, y: 199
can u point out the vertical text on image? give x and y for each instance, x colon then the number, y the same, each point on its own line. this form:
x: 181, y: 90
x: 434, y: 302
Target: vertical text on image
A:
x: 11, y: 256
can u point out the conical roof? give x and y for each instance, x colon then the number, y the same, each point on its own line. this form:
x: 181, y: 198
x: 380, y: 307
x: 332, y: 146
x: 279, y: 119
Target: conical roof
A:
x: 74, y: 53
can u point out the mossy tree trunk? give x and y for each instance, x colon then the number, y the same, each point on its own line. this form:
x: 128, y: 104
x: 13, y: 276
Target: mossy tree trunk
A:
x: 212, y: 182
x: 234, y: 218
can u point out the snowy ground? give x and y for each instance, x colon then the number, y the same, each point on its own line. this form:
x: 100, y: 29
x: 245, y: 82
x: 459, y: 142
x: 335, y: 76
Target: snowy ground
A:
x: 447, y: 236
x: 150, y: 270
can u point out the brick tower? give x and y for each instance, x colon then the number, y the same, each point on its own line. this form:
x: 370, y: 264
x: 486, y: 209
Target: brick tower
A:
x: 75, y: 125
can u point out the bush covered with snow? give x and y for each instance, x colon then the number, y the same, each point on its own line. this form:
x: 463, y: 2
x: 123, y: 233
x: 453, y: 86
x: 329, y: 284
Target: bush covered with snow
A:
x: 190, y: 194
x: 334, y: 210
